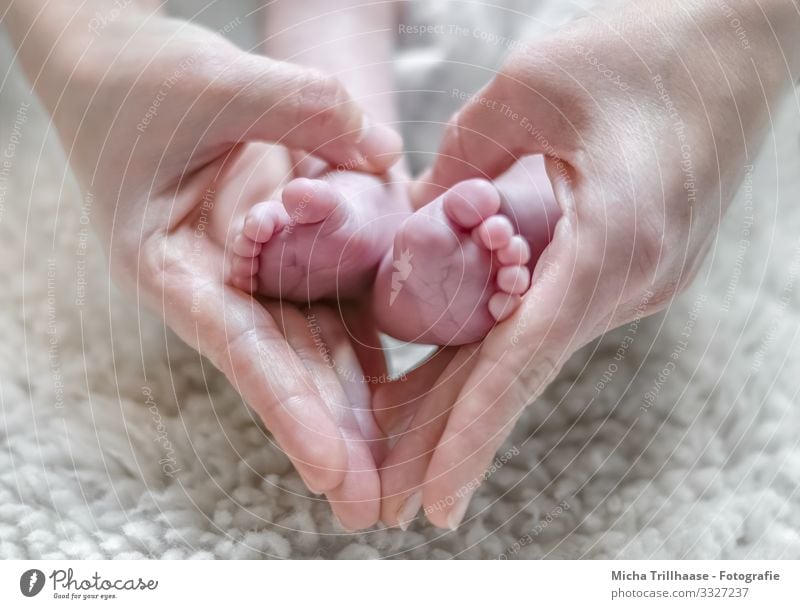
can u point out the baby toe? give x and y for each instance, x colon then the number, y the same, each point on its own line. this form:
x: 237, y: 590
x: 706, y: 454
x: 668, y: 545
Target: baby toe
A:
x: 502, y: 305
x: 244, y: 246
x: 244, y: 267
x: 246, y: 283
x: 495, y: 233
x: 516, y: 252
x: 471, y: 202
x: 514, y: 279
x: 263, y: 220
x: 309, y: 201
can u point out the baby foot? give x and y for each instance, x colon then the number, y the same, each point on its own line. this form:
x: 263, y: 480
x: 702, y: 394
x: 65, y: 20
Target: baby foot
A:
x: 324, y: 238
x: 457, y: 268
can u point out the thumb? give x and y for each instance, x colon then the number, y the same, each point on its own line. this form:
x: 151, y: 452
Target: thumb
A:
x: 301, y: 108
x: 515, y: 115
x: 242, y: 339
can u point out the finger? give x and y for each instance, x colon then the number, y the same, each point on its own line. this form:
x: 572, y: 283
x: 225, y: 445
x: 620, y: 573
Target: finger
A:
x: 334, y: 368
x: 241, y: 339
x: 395, y: 403
x: 365, y: 341
x: 354, y: 380
x: 479, y: 141
x: 472, y: 442
x: 302, y: 108
x: 403, y: 471
x: 516, y: 362
x: 518, y: 113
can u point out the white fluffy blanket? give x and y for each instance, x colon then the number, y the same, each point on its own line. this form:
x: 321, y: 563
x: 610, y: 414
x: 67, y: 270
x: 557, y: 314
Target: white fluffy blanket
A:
x: 118, y: 441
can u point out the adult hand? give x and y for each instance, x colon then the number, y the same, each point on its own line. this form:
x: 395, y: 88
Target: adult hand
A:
x: 154, y: 114
x: 648, y: 117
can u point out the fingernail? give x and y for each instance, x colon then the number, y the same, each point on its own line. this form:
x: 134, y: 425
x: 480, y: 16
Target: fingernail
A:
x: 341, y: 525
x: 309, y: 486
x: 408, y: 511
x: 456, y: 515
x: 379, y: 144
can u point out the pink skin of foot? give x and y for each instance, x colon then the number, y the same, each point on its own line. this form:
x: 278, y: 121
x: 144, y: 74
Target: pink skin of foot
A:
x: 324, y: 238
x: 461, y: 263
x: 457, y: 267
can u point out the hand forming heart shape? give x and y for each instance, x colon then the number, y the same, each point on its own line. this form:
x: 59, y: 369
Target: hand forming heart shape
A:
x: 161, y: 119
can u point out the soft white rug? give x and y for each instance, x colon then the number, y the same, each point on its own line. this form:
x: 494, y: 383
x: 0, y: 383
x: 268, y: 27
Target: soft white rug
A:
x: 98, y: 401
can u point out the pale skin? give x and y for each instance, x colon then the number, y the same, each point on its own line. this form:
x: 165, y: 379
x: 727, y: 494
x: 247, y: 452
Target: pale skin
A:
x: 613, y: 159
x: 626, y: 229
x: 329, y: 231
x: 315, y: 231
x: 309, y: 230
x: 152, y: 173
x: 633, y: 226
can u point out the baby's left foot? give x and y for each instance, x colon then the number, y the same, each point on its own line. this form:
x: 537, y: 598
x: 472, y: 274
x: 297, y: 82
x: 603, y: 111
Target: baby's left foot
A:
x: 324, y: 238
x: 457, y: 268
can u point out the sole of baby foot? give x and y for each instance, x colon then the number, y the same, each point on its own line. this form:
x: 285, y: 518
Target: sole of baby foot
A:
x: 322, y: 243
x: 456, y: 269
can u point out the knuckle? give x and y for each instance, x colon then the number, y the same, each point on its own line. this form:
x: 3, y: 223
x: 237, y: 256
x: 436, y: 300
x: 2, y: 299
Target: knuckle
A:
x: 320, y: 100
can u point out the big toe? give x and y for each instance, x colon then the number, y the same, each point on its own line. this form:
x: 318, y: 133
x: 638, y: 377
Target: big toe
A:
x: 309, y: 201
x: 471, y: 202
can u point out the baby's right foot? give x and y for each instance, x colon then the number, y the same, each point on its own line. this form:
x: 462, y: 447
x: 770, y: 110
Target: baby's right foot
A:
x: 457, y: 268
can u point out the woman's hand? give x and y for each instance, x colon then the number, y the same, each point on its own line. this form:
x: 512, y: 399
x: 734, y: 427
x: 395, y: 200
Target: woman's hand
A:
x: 152, y: 112
x: 648, y: 118
x: 341, y: 353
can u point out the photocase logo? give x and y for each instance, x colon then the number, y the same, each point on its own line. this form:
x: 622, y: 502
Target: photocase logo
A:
x: 402, y: 270
x: 31, y: 582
